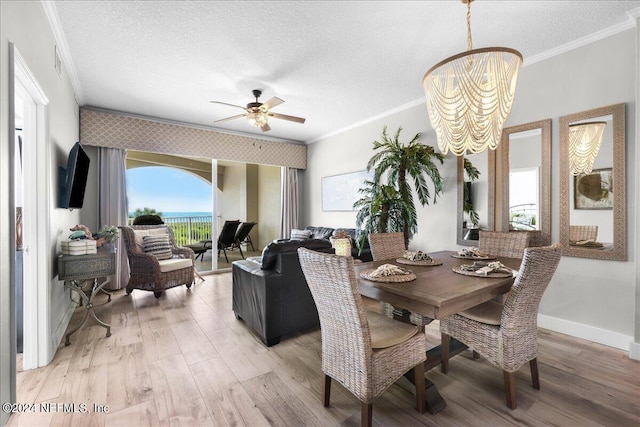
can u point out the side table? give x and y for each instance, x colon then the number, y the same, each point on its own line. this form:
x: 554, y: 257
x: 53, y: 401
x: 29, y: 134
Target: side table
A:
x: 77, y: 270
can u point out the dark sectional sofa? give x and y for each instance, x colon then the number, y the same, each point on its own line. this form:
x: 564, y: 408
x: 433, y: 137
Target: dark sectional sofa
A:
x: 270, y: 292
x: 325, y: 232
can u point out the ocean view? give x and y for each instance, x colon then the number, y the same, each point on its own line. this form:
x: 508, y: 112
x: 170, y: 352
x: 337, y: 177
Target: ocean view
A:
x: 178, y: 214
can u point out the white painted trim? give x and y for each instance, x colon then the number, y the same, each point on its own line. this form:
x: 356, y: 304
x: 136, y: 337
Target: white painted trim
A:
x: 583, y: 41
x: 63, y: 47
x: 38, y: 349
x: 586, y: 332
x: 58, y: 335
x: 599, y: 35
x: 634, y: 350
x: 399, y: 109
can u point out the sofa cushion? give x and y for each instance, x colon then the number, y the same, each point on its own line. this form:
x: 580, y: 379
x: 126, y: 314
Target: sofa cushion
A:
x: 158, y: 246
x: 320, y: 232
x: 271, y: 251
x: 300, y: 234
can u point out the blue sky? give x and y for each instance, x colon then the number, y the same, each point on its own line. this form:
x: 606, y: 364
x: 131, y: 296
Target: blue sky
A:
x: 167, y: 190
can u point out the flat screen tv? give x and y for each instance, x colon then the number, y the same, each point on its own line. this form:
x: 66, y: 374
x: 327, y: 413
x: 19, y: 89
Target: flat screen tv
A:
x: 73, y: 179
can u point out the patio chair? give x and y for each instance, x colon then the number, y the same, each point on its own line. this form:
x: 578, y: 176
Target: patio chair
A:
x: 391, y: 246
x: 242, y: 236
x: 506, y: 334
x: 227, y: 238
x: 364, y: 351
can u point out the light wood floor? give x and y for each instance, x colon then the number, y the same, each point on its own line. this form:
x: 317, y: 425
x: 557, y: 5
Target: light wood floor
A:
x: 184, y: 359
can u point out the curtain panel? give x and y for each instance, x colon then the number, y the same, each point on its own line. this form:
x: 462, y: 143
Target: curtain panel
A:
x: 112, y: 204
x: 288, y: 201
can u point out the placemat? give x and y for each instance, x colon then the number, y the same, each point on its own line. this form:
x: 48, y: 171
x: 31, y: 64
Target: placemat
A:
x: 399, y: 278
x: 494, y: 275
x: 424, y: 263
x: 480, y: 258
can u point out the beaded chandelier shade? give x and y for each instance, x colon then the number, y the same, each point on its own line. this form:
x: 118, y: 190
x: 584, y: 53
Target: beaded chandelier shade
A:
x: 469, y: 96
x: 584, y: 144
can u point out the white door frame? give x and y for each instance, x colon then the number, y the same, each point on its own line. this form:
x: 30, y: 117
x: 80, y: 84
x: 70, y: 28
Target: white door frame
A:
x: 37, y: 197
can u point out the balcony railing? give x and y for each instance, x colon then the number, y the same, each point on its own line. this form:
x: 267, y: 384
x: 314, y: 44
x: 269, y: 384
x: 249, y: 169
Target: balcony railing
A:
x: 188, y: 229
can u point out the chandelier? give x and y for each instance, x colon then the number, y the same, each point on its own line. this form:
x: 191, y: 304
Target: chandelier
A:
x: 257, y: 118
x: 584, y: 144
x: 469, y: 96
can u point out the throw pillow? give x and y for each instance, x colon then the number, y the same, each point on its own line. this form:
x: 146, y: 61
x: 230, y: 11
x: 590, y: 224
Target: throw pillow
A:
x: 300, y: 234
x: 158, y: 245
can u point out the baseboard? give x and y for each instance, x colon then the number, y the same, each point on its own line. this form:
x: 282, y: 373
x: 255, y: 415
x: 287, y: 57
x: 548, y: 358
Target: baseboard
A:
x: 634, y: 350
x: 56, y: 337
x: 591, y: 333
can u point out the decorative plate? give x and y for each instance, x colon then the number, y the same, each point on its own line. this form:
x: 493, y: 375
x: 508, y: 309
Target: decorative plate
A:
x: 493, y: 275
x: 425, y: 263
x: 398, y: 278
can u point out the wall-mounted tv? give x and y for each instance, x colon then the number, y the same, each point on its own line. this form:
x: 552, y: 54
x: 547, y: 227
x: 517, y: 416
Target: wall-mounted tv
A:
x: 73, y: 180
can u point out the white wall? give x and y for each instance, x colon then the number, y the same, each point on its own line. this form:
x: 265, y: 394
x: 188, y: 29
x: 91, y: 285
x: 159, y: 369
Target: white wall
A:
x: 25, y: 24
x: 587, y: 298
x: 268, y: 206
x: 232, y: 200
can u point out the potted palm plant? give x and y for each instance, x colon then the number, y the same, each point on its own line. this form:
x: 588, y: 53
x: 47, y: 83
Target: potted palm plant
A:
x: 401, y: 163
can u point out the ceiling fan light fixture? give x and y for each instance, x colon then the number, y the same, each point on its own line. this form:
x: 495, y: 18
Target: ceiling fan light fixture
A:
x: 584, y: 144
x: 257, y: 118
x: 470, y: 95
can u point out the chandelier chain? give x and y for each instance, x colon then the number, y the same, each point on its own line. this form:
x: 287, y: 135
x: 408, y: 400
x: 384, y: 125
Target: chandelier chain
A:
x: 469, y: 41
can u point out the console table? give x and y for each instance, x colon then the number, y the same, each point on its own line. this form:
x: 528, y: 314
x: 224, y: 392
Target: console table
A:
x: 77, y: 271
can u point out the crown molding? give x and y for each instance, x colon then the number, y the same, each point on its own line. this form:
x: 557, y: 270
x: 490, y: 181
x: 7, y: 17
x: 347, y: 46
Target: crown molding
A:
x: 63, y: 47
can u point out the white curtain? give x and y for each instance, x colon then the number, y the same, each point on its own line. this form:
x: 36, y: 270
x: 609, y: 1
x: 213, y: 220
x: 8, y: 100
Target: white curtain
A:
x: 112, y: 204
x: 288, y: 201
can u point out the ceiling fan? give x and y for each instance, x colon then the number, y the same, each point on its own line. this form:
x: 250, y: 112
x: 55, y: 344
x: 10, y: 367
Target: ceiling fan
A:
x: 258, y: 113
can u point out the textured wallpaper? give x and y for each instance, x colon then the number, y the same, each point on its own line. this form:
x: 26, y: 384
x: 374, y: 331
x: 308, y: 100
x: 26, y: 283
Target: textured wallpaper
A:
x: 111, y: 129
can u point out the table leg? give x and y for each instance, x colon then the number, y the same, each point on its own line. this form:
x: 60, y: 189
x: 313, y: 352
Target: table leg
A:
x: 87, y: 301
x: 434, y: 400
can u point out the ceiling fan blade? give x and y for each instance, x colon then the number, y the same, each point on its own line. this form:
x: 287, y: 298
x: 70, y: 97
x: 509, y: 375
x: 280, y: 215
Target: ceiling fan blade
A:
x: 265, y: 128
x: 286, y: 117
x: 272, y: 103
x: 230, y: 118
x: 224, y: 103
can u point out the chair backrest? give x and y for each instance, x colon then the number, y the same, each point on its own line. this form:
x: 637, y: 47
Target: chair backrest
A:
x: 133, y: 242
x: 583, y: 232
x: 243, y: 231
x: 520, y: 311
x: 227, y: 235
x: 504, y: 244
x: 386, y: 245
x: 149, y: 219
x: 346, y: 338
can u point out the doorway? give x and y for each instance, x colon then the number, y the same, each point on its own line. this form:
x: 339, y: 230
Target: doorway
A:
x: 30, y: 172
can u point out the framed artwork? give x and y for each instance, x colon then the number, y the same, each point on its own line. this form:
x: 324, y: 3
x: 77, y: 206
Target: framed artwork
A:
x: 340, y: 192
x: 593, y: 190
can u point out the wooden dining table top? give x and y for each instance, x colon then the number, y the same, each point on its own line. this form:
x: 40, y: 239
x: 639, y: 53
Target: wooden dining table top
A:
x: 437, y: 291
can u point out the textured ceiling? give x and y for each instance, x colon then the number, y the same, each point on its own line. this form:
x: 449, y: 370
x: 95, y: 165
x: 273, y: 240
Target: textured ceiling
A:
x: 335, y: 63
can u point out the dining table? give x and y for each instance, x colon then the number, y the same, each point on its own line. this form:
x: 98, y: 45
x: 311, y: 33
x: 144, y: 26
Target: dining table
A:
x: 436, y: 292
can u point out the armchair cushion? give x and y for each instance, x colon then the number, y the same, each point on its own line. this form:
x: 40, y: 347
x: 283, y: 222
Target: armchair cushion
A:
x: 173, y: 264
x: 158, y: 246
x: 271, y: 251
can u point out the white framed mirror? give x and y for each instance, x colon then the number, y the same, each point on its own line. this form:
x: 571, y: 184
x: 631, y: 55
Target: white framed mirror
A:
x: 523, y: 202
x: 592, y: 197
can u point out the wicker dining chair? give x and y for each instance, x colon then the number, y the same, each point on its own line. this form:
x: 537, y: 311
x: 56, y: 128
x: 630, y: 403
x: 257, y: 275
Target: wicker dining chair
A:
x: 583, y: 232
x: 509, y: 244
x: 366, y: 352
x: 391, y: 246
x: 506, y: 334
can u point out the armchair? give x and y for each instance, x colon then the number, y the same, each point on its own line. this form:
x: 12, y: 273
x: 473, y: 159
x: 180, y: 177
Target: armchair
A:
x: 150, y: 272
